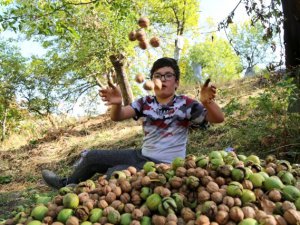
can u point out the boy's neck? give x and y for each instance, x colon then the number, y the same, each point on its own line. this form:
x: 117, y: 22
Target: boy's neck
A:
x: 165, y: 101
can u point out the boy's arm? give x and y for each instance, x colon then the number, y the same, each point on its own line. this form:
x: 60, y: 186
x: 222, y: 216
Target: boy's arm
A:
x: 112, y: 96
x: 208, y: 94
x: 119, y: 112
x: 214, y: 112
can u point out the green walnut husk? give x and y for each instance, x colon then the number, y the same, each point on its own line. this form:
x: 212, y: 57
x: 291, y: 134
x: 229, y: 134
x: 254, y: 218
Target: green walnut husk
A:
x: 179, y: 198
x: 283, y: 165
x: 242, y: 157
x: 231, y: 159
x: 64, y: 190
x: 224, y: 153
x: 146, y: 220
x: 225, y: 170
x: 290, y: 193
x: 85, y: 186
x: 169, y: 174
x: 202, y: 161
x: 286, y: 177
x: 273, y: 182
x: 43, y: 200
x: 149, y: 167
x: 86, y: 223
x: 192, y: 182
x: 235, y: 189
x: 153, y: 201
x: 39, y: 212
x: 177, y: 162
x: 215, y: 155
x: 71, y: 201
x: 297, y: 204
x: 209, y: 208
x: 248, y: 221
x: 169, y: 204
x: 35, y: 222
x: 248, y: 196
x: 118, y: 175
x: 114, y: 217
x: 64, y: 215
x: 216, y: 163
x: 257, y: 180
x: 264, y: 174
x: 252, y: 159
x: 145, y: 192
x: 125, y: 219
x: 95, y: 215
x: 238, y: 174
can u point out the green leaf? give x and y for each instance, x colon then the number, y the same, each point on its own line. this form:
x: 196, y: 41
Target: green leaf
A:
x: 74, y: 33
x: 5, y: 179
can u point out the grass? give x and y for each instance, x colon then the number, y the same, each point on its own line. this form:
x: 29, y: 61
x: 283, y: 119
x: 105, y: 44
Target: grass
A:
x: 256, y: 122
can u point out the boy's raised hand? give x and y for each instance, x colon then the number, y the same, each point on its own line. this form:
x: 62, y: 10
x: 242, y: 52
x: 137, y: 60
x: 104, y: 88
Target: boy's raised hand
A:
x: 111, y: 95
x: 208, y: 92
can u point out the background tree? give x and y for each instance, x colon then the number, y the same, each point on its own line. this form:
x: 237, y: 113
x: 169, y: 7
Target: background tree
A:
x: 40, y: 91
x: 273, y: 16
x: 89, y: 36
x: 249, y: 45
x: 175, y: 18
x: 80, y: 35
x: 217, y: 59
x: 12, y: 66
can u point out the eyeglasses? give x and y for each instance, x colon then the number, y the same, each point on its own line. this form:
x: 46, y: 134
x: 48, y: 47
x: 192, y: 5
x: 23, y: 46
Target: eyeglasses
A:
x: 166, y: 76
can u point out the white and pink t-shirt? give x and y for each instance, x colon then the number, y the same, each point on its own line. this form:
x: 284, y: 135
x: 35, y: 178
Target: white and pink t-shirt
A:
x: 166, y: 126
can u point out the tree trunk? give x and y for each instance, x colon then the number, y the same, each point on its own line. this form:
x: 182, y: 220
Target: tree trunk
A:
x: 118, y: 62
x: 291, y: 12
x: 3, y: 124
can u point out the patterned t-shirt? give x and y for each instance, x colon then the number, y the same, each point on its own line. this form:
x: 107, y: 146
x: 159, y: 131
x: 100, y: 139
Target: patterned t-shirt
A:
x: 166, y: 126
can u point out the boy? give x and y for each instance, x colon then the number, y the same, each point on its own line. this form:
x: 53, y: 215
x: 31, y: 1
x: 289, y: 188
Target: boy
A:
x: 166, y: 119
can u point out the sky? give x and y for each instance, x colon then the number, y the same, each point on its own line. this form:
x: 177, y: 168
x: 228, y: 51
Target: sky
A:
x: 218, y: 10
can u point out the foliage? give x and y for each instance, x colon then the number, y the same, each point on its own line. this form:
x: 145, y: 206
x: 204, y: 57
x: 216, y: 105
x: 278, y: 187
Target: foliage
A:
x: 270, y: 15
x: 259, y: 124
x: 250, y: 46
x: 217, y: 59
x: 11, y: 77
x: 177, y: 14
x: 5, y: 179
x: 79, y: 37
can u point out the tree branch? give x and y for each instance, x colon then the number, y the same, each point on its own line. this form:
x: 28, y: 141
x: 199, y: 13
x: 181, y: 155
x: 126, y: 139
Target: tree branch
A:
x: 82, y: 3
x: 47, y: 14
x: 183, y: 18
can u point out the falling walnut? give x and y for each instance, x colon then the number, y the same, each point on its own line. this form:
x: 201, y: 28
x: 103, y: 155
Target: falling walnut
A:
x: 144, y: 22
x: 148, y: 85
x: 139, y: 78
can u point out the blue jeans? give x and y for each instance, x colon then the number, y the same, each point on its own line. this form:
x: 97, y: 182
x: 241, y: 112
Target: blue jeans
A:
x: 105, y: 162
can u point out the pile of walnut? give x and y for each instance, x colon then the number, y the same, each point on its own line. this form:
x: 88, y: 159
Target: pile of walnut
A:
x: 219, y: 188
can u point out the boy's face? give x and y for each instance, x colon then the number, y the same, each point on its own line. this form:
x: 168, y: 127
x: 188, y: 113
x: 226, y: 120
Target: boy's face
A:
x: 168, y: 80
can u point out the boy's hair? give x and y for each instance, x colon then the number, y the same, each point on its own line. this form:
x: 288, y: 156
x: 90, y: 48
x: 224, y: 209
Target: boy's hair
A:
x: 163, y: 62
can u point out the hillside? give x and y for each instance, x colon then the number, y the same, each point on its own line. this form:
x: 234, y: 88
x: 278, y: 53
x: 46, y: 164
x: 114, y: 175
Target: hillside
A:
x: 255, y: 123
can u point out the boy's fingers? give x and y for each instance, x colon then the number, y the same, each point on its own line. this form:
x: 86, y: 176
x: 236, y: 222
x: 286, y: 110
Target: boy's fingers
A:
x: 206, y: 82
x: 111, y: 84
